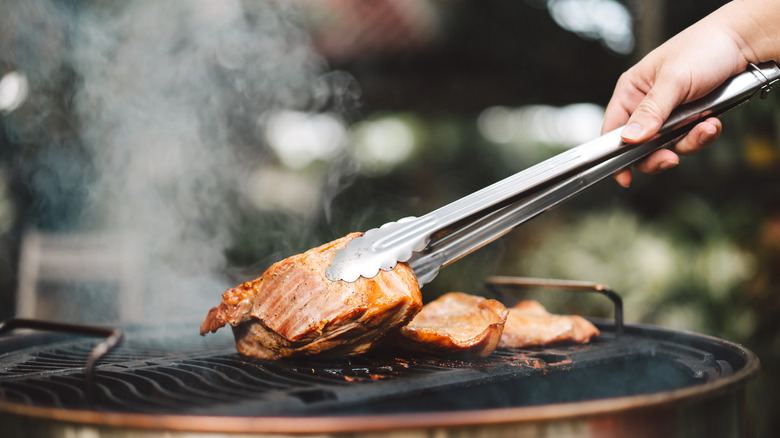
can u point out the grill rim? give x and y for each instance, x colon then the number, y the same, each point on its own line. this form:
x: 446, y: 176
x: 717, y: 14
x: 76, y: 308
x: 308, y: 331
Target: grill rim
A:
x: 398, y: 421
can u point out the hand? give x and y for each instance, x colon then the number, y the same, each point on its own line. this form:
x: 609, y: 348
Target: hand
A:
x: 683, y: 69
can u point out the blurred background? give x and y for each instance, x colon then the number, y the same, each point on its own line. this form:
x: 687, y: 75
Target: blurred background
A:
x: 154, y: 154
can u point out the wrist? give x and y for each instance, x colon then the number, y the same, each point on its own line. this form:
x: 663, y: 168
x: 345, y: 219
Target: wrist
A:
x: 755, y: 28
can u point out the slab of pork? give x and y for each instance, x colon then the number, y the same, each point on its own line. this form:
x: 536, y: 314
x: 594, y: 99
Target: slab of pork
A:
x: 529, y: 324
x: 455, y: 325
x: 294, y: 310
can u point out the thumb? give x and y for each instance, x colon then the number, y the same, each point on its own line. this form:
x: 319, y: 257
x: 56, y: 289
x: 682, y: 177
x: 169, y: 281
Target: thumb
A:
x: 650, y: 114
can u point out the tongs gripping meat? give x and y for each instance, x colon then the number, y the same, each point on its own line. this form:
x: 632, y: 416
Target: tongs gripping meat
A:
x: 439, y: 238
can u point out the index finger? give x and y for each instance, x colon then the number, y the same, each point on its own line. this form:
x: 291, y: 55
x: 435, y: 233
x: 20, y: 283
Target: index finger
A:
x: 625, y: 98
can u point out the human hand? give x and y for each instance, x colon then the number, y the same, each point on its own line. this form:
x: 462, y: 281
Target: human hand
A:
x: 683, y: 69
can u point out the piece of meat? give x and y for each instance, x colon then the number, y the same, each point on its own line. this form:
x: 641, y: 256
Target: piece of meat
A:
x: 455, y: 324
x: 529, y: 324
x: 294, y: 310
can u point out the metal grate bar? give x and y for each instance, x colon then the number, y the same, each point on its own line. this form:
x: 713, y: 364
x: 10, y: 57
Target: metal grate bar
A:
x: 217, y: 381
x: 37, y: 391
x: 126, y: 393
x: 227, y: 369
x: 186, y: 385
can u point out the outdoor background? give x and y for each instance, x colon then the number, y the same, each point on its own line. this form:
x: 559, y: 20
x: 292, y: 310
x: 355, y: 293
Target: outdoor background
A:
x: 183, y: 147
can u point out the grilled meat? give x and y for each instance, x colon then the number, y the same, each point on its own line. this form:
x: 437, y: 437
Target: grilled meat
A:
x: 529, y: 323
x: 294, y: 310
x: 455, y: 324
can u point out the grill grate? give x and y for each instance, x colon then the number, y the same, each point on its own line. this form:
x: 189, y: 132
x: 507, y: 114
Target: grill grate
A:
x: 175, y: 371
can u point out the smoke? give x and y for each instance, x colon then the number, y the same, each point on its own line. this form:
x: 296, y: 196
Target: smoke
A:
x: 168, y: 102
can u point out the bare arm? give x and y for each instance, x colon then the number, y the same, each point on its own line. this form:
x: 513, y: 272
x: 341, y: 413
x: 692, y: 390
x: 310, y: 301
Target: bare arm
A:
x: 688, y: 66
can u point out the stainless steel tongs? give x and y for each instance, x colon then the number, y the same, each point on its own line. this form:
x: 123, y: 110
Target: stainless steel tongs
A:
x: 443, y: 236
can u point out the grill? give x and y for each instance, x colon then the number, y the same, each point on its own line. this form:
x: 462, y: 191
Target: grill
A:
x: 168, y: 377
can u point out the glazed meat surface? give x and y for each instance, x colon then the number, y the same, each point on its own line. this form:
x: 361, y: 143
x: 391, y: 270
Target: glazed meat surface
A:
x: 529, y: 323
x: 455, y: 324
x: 294, y: 310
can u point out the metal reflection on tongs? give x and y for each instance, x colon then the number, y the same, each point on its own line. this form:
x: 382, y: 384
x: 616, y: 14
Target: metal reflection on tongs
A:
x: 443, y: 236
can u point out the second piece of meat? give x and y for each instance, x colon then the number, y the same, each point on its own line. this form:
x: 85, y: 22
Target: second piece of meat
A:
x: 455, y: 324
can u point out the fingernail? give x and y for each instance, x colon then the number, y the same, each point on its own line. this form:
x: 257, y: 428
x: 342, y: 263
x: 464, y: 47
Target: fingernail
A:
x: 632, y: 131
x: 667, y: 165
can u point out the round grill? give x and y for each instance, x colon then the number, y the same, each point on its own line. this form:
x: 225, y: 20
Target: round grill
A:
x: 172, y: 370
x: 630, y: 380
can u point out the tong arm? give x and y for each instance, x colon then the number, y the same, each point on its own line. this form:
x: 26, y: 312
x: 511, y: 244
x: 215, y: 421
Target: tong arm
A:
x: 427, y: 263
x: 477, y: 219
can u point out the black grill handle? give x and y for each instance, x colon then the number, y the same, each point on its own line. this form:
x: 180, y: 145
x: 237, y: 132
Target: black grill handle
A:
x: 547, y: 283
x: 112, y: 337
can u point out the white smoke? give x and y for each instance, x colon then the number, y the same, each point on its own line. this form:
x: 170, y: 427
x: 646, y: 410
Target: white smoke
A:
x: 163, y: 83
x: 169, y: 104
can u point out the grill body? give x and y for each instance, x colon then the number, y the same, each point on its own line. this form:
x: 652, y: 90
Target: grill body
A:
x: 646, y: 381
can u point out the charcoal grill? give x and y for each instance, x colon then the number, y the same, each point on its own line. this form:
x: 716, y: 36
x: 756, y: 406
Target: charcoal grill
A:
x: 635, y: 380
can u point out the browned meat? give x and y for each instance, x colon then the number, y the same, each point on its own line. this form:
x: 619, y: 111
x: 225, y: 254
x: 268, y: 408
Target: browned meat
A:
x: 529, y: 323
x: 455, y: 324
x: 294, y: 310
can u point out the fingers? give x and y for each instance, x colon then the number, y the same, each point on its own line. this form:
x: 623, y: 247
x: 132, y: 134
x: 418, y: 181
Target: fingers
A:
x: 656, y: 162
x: 623, y: 178
x: 701, y: 136
x: 651, y: 112
x: 629, y: 91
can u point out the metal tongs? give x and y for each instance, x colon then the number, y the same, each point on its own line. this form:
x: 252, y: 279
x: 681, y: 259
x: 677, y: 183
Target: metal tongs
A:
x: 443, y: 236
